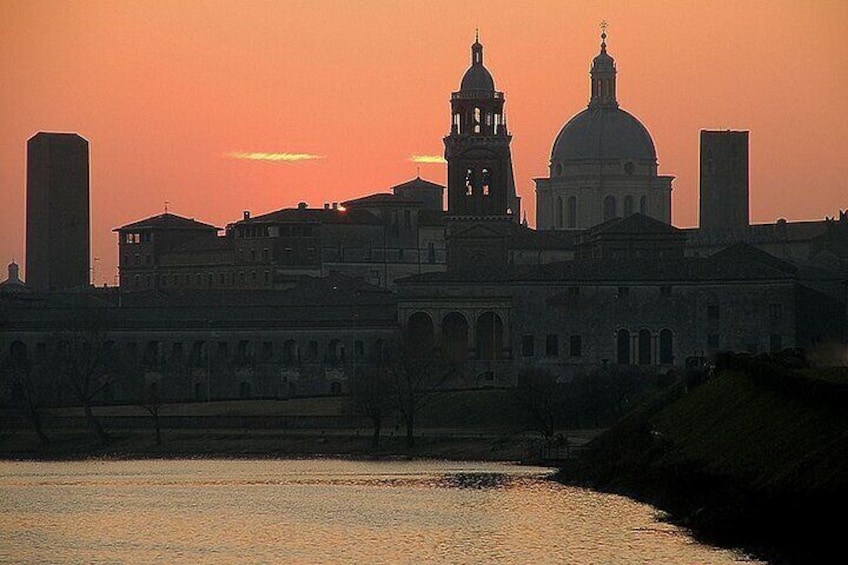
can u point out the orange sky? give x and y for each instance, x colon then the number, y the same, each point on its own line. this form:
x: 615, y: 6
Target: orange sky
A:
x: 165, y: 90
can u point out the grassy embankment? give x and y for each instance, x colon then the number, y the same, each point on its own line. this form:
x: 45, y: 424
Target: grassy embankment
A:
x: 479, y: 424
x: 755, y: 458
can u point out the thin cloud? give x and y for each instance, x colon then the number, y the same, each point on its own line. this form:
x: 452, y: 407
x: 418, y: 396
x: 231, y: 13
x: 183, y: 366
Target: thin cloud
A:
x: 273, y: 157
x: 427, y: 159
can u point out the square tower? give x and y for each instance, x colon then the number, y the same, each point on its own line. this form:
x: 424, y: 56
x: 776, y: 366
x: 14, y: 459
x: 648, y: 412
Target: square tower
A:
x: 58, y: 239
x: 724, y: 180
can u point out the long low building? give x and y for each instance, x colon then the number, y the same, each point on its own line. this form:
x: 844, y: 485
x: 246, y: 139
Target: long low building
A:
x: 576, y: 316
x: 200, y: 345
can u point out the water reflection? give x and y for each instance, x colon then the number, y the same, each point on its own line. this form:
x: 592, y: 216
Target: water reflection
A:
x: 322, y: 511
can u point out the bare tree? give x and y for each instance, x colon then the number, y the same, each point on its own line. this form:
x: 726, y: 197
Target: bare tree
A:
x: 82, y: 358
x: 371, y: 395
x: 151, y: 400
x: 415, y: 373
x: 541, y: 399
x: 22, y: 390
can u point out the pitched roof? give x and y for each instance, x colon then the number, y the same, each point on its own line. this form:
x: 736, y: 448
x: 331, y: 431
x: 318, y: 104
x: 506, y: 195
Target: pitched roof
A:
x: 314, y: 215
x: 634, y: 224
x: 380, y: 198
x: 417, y: 183
x: 167, y: 221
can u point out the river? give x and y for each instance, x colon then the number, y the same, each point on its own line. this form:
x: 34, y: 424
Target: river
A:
x: 323, y: 511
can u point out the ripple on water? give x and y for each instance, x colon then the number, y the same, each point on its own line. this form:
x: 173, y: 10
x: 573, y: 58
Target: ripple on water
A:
x: 323, y: 511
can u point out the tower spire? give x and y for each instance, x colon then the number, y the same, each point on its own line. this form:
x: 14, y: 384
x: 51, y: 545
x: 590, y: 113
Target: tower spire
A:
x: 603, y: 75
x: 604, y: 26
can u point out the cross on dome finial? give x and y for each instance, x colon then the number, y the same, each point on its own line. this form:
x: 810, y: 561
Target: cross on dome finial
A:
x: 476, y: 35
x: 604, y: 26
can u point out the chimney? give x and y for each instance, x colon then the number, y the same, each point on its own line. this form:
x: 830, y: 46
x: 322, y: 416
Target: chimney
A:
x: 335, y: 205
x: 326, y: 205
x: 247, y: 214
x: 302, y: 205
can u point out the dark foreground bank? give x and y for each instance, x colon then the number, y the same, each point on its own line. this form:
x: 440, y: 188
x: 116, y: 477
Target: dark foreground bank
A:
x: 753, y: 459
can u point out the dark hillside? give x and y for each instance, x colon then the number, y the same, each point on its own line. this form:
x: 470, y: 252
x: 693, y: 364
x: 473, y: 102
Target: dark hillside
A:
x: 755, y: 457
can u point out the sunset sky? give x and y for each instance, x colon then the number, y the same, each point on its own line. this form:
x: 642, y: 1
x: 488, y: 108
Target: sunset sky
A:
x: 219, y: 107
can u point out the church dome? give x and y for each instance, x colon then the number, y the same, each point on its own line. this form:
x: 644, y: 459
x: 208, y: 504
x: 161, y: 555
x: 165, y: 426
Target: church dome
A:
x: 604, y: 132
x: 477, y: 77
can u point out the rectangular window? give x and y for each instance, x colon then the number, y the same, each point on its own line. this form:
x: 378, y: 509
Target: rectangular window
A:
x: 267, y: 350
x: 358, y: 348
x: 623, y: 292
x: 576, y: 345
x: 775, y: 311
x: 775, y: 342
x: 574, y: 291
x: 223, y: 350
x: 552, y: 345
x: 713, y: 312
x: 527, y: 346
x: 713, y: 341
x: 313, y: 350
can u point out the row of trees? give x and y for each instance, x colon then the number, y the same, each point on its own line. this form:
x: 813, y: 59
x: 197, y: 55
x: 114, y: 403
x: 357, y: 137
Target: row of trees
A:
x: 80, y: 362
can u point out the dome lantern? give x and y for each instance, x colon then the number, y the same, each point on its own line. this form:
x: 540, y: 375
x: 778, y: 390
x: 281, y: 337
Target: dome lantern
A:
x: 603, y: 76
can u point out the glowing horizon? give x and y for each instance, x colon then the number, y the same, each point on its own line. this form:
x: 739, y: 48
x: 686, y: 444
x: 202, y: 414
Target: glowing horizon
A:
x: 164, y: 92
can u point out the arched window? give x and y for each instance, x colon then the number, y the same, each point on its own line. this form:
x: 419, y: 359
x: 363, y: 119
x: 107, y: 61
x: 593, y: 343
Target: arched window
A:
x: 628, y: 206
x: 666, y: 347
x: 455, y: 337
x: 334, y: 351
x: 419, y: 331
x: 244, y: 353
x: 18, y: 352
x: 644, y: 347
x: 290, y: 352
x: 198, y: 354
x: 558, y: 169
x: 609, y: 207
x: 489, y: 336
x: 622, y: 344
x: 559, y: 212
x: 572, y: 211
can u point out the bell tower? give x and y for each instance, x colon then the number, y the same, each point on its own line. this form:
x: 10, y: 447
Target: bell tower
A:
x: 480, y: 178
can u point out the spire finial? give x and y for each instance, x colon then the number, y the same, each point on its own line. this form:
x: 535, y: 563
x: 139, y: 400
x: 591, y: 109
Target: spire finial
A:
x: 604, y: 26
x: 476, y: 35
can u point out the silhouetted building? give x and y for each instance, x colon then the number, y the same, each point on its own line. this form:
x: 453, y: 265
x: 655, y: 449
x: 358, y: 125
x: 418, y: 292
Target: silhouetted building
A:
x: 603, y: 164
x: 58, y: 242
x: 13, y: 282
x: 483, y: 207
x: 724, y: 180
x: 290, y: 302
x: 376, y: 238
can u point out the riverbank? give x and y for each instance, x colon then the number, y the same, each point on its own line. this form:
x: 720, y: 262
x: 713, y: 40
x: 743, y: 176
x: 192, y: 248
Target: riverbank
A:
x: 74, y: 445
x: 742, y: 461
x: 483, y: 424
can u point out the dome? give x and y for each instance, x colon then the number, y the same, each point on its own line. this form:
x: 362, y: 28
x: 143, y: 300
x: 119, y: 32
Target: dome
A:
x: 477, y: 77
x: 603, y: 133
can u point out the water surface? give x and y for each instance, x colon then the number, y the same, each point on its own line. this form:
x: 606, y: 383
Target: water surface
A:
x: 323, y: 511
